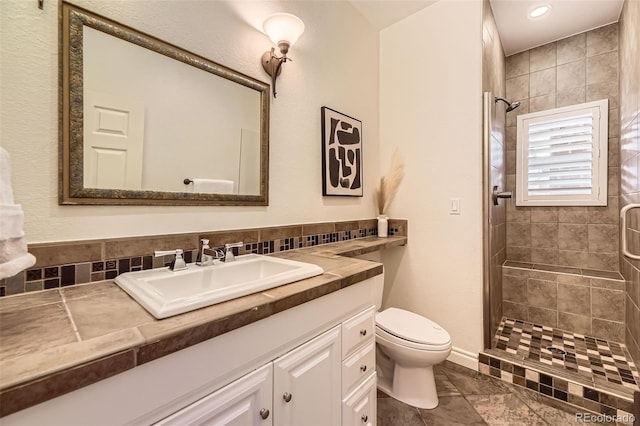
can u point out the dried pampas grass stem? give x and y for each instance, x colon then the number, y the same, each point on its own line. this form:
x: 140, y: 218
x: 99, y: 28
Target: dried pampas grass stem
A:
x: 389, y: 184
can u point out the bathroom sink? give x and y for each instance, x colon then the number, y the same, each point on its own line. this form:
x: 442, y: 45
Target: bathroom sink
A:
x: 165, y: 293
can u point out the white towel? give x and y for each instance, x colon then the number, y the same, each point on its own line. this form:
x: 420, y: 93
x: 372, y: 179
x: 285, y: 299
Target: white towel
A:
x: 213, y: 186
x: 6, y: 193
x: 13, y: 245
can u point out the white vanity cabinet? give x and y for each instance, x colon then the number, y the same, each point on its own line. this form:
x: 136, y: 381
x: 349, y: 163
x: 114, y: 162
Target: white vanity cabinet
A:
x: 299, y: 388
x: 247, y: 401
x: 359, y: 390
x: 306, y: 383
x: 313, y: 364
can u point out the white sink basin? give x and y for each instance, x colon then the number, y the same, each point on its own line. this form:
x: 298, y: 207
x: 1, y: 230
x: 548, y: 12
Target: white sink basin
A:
x: 165, y: 293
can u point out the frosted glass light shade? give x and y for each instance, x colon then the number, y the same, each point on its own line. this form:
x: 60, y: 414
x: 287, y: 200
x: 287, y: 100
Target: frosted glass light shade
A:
x: 283, y: 27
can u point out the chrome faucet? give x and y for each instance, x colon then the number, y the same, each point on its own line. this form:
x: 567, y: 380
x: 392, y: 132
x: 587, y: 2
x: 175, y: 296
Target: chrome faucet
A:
x: 178, y: 263
x: 206, y: 259
x: 229, y: 256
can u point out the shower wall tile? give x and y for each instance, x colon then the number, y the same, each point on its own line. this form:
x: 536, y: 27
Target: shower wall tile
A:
x: 543, y: 316
x: 573, y: 299
x: 608, y: 214
x: 607, y: 304
x: 547, y: 256
x: 542, y: 82
x: 573, y: 257
x: 602, y: 40
x: 517, y: 65
x: 603, y: 261
x: 570, y: 97
x: 610, y: 330
x: 602, y: 68
x: 544, y: 235
x: 542, y: 103
x: 571, y: 75
x: 603, y: 238
x: 518, y: 88
x: 541, y: 293
x: 569, y: 71
x: 603, y: 90
x: 543, y: 57
x: 544, y: 215
x: 572, y: 237
x: 571, y: 49
x: 580, y: 324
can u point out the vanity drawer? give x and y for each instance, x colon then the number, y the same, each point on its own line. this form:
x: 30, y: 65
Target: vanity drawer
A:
x: 357, y: 330
x: 358, y: 367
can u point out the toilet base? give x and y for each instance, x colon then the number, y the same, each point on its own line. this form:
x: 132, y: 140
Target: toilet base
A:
x: 418, y: 386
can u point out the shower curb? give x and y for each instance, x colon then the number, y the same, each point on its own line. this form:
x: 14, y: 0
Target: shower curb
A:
x: 578, y: 395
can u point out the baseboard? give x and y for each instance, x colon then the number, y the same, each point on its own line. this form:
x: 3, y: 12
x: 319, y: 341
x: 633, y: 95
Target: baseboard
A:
x: 464, y: 358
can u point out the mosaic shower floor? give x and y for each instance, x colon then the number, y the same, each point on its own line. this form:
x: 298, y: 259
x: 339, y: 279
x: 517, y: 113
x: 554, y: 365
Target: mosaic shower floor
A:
x: 593, y: 359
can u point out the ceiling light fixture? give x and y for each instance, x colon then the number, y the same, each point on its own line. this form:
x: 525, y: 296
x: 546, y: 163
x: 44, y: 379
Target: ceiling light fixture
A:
x: 538, y: 11
x: 283, y: 29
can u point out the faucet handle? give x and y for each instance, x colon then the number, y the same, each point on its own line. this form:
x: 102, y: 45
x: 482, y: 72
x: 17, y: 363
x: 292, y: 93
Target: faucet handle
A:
x: 229, y: 256
x: 178, y: 263
x: 204, y: 242
x: 232, y: 245
x: 177, y: 252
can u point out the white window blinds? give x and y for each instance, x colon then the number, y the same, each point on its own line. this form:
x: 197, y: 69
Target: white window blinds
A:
x: 562, y: 156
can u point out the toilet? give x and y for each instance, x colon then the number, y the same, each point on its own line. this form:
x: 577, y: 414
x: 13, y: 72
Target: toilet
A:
x: 408, y: 345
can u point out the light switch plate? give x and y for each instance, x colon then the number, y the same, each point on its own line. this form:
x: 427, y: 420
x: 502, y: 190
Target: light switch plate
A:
x: 454, y: 206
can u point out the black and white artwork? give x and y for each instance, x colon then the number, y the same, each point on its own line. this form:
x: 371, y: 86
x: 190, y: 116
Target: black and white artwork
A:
x: 341, y: 154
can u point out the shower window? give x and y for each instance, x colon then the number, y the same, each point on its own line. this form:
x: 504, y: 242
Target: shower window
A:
x: 562, y: 156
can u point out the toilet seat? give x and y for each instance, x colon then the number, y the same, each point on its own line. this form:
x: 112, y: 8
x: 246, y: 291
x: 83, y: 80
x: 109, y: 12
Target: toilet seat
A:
x: 411, y: 330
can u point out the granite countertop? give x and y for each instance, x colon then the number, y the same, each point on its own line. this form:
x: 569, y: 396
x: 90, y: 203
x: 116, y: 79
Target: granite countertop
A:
x: 56, y: 341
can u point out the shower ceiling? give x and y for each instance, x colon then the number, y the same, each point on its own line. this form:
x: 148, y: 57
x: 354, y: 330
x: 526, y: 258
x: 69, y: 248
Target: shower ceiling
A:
x: 517, y: 31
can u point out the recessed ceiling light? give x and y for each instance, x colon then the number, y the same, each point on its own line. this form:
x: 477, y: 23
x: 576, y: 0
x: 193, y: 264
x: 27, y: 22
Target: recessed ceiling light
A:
x: 538, y: 11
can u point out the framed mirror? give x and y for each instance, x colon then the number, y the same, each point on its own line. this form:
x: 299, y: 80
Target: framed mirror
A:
x: 144, y: 122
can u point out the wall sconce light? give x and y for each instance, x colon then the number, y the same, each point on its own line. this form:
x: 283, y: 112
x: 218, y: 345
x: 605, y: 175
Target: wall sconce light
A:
x: 283, y: 29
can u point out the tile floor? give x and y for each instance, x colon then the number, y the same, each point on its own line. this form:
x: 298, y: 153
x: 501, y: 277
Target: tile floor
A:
x: 469, y: 398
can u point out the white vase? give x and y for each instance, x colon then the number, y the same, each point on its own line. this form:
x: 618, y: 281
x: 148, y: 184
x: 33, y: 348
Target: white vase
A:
x: 383, y: 226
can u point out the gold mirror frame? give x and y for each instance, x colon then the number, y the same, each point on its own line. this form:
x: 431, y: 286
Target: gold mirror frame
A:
x: 71, y: 183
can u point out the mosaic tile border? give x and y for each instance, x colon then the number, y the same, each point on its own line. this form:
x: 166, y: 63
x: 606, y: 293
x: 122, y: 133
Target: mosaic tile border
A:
x: 62, y: 275
x: 558, y: 388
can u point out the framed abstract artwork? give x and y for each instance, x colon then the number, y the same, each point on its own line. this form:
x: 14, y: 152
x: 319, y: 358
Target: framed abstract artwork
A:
x: 341, y: 154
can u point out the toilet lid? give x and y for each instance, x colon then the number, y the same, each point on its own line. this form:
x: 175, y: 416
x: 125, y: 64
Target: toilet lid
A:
x: 413, y: 327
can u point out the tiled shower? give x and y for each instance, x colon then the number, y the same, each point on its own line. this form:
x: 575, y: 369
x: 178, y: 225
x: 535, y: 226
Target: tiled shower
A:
x: 559, y: 270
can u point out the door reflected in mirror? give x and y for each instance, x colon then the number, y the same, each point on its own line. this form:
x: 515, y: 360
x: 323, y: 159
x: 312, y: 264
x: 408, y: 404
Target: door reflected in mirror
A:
x: 145, y: 122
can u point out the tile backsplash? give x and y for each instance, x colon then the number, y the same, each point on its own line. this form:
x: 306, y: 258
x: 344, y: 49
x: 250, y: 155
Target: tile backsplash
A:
x: 70, y: 263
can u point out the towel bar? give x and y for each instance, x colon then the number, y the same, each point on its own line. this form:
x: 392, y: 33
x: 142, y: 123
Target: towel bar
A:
x: 623, y: 223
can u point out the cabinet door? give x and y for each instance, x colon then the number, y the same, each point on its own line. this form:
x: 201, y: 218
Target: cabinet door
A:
x: 360, y: 408
x: 245, y: 402
x: 306, y: 383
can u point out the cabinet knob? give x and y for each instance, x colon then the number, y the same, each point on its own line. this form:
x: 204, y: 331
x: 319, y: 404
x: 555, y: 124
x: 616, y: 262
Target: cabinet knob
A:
x: 364, y: 418
x: 286, y: 396
x: 363, y: 332
x: 363, y: 368
x: 264, y: 413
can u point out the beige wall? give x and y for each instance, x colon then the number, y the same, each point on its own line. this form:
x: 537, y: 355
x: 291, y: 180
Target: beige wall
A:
x: 574, y: 70
x: 493, y: 80
x: 428, y: 82
x: 335, y: 64
x: 630, y: 164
